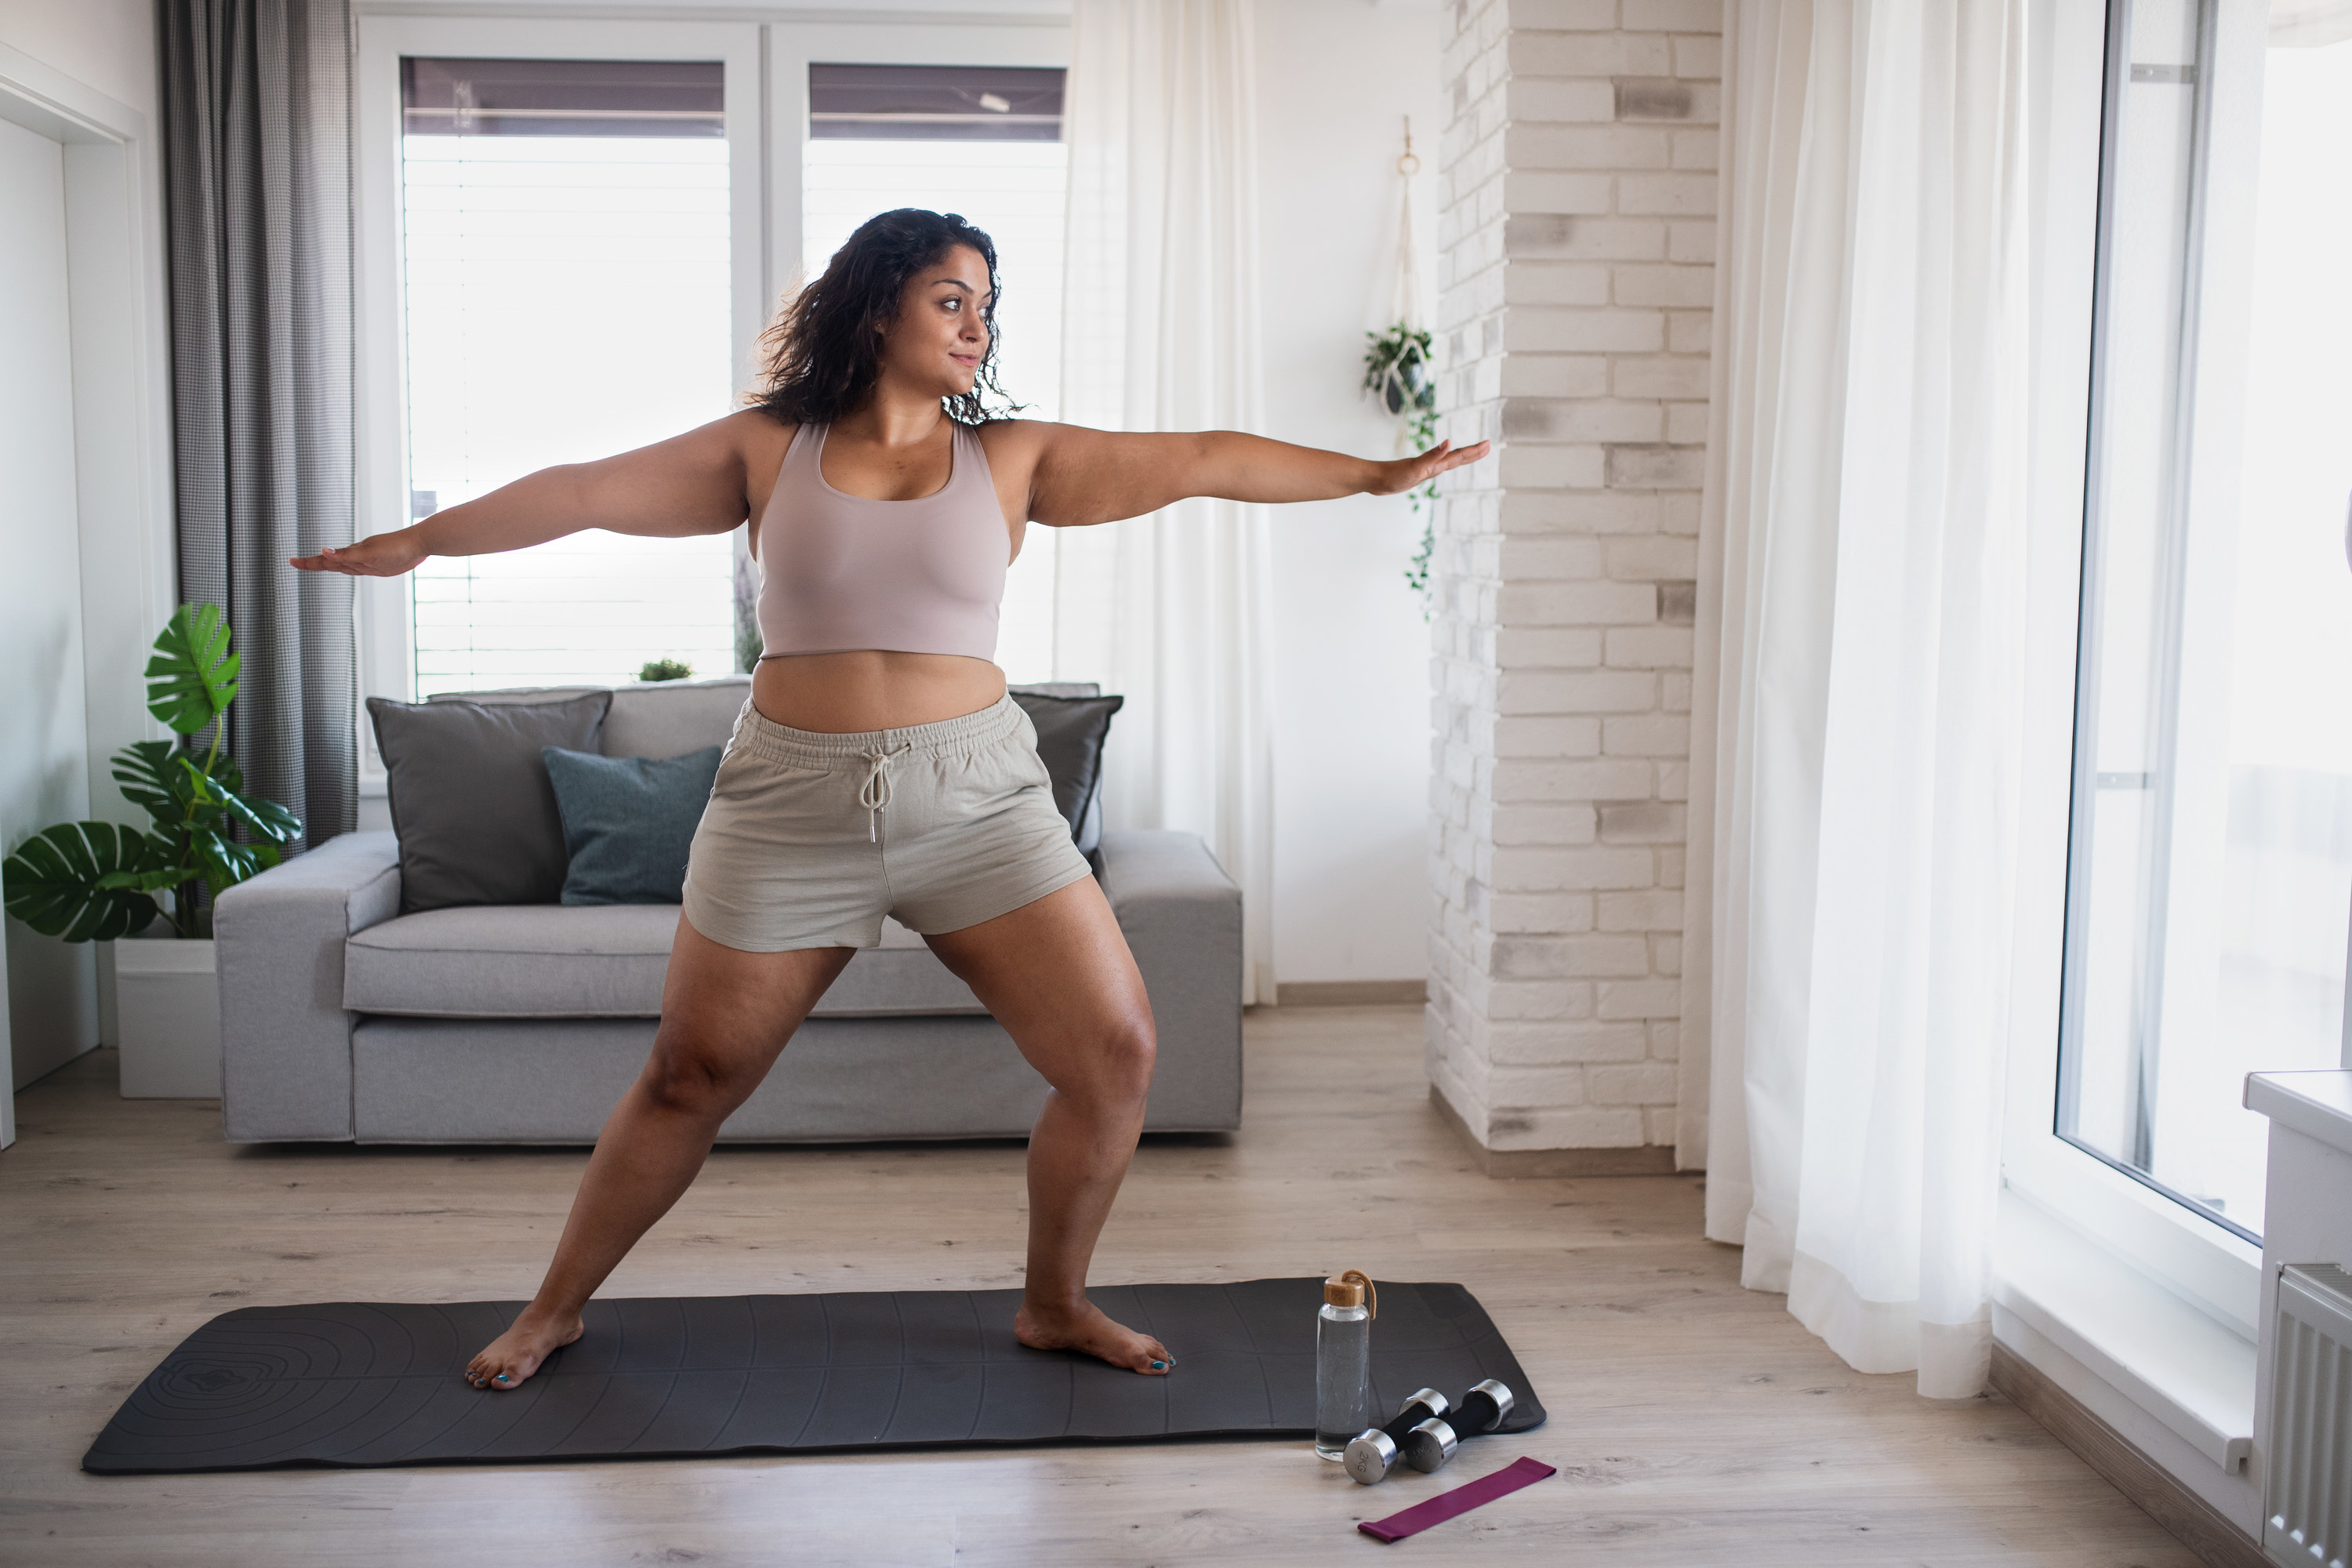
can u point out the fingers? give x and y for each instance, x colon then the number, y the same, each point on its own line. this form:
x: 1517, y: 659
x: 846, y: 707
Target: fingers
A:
x: 330, y: 559
x: 1444, y: 458
x: 1447, y: 459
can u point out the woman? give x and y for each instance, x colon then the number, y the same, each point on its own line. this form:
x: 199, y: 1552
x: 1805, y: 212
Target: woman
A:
x: 879, y: 767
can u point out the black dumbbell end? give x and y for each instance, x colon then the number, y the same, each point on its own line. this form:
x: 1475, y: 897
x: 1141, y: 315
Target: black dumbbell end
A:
x: 1482, y: 1409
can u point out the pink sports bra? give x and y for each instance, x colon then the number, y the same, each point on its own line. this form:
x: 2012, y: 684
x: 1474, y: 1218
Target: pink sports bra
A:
x: 839, y: 572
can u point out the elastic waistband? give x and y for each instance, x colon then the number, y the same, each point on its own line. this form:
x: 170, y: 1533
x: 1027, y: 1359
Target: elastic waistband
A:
x: 761, y: 736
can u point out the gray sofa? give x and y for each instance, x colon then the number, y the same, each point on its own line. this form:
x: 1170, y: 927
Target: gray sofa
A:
x: 343, y: 1020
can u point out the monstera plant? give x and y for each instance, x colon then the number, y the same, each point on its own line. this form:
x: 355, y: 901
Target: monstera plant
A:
x: 94, y: 881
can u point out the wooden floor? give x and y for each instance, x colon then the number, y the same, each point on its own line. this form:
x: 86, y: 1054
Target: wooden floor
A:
x: 1692, y: 1421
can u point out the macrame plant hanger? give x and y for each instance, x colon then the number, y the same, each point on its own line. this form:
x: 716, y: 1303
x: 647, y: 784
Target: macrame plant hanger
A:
x: 1397, y: 367
x: 1406, y: 307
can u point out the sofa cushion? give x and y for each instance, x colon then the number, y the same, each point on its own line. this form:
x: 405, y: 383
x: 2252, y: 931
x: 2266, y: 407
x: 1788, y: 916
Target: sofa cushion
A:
x: 600, y: 961
x: 470, y: 797
x: 656, y: 718
x: 1072, y: 721
x: 628, y: 822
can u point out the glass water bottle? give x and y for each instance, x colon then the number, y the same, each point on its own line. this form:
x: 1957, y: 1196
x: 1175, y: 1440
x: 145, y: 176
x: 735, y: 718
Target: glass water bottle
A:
x: 1343, y: 1362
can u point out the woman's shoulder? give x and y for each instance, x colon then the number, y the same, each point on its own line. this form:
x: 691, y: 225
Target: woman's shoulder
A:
x: 762, y: 438
x: 756, y: 421
x: 1014, y: 438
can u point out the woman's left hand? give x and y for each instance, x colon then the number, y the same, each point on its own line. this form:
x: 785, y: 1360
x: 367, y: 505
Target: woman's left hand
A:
x: 1412, y: 473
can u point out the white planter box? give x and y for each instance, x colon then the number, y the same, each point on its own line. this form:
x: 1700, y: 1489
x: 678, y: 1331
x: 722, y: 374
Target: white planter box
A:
x: 167, y: 1012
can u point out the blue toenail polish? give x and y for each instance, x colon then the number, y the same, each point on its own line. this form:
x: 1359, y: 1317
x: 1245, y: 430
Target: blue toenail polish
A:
x: 1160, y: 1366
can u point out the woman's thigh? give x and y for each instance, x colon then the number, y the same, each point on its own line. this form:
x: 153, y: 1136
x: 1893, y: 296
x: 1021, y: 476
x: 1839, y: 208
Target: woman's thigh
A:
x: 726, y: 1009
x: 1056, y: 972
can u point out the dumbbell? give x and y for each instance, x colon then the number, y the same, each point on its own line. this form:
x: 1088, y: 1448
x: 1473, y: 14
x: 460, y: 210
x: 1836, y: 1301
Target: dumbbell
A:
x: 1418, y: 1435
x: 1428, y: 1430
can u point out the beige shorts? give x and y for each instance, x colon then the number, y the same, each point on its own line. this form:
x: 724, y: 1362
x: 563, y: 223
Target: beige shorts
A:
x: 810, y: 839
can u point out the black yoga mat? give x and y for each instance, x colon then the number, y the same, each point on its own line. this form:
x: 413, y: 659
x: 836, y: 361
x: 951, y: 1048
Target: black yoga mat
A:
x: 376, y: 1383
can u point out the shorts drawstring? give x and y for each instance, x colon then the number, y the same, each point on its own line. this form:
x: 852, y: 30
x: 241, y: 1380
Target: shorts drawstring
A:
x: 875, y: 794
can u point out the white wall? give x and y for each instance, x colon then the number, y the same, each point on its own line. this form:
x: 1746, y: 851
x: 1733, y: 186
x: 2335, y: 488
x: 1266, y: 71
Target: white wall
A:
x: 85, y: 517
x: 44, y: 729
x: 1335, y: 79
x: 108, y: 45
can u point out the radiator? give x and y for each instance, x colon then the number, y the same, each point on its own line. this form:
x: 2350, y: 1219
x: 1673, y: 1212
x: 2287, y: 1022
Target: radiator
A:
x: 2307, y: 1485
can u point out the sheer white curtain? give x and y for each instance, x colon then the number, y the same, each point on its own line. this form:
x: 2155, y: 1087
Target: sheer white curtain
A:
x: 1160, y: 333
x: 1858, y: 719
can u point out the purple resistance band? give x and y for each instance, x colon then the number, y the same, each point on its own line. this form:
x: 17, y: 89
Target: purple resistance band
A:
x: 1518, y: 1473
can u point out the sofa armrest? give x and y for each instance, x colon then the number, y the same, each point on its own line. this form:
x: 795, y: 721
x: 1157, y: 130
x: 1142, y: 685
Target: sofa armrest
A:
x: 1182, y: 918
x: 286, y: 1041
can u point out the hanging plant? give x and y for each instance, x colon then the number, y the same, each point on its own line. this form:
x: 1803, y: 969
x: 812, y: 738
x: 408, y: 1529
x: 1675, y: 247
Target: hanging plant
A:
x: 1397, y: 372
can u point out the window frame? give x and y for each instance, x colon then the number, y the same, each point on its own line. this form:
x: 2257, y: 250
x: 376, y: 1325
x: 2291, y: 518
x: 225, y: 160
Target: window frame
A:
x: 384, y: 608
x: 2184, y: 1249
x: 767, y: 126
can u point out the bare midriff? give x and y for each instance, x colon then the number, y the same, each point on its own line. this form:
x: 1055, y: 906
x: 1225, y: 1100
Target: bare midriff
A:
x: 850, y: 693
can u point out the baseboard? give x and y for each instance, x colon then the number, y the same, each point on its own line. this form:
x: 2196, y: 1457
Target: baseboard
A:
x: 2199, y: 1527
x: 1350, y: 993
x: 1640, y: 1160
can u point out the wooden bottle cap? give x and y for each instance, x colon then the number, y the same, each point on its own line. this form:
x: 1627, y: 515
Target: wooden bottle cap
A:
x: 1353, y: 1288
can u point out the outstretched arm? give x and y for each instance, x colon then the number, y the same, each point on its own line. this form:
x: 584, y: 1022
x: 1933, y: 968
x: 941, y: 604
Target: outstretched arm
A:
x: 1083, y: 476
x: 688, y: 484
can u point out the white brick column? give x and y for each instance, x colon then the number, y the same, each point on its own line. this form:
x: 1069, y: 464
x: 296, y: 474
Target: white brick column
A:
x: 1578, y: 195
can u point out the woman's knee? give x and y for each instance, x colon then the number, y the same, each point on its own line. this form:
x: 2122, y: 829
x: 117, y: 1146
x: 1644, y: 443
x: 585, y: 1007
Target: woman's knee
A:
x: 692, y: 1077
x: 1118, y: 1068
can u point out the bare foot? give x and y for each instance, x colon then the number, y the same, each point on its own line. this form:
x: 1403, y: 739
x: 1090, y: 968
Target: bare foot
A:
x: 1084, y: 1328
x: 514, y: 1355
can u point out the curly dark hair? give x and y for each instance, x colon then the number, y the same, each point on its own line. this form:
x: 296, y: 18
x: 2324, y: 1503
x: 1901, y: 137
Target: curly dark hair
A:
x: 821, y: 356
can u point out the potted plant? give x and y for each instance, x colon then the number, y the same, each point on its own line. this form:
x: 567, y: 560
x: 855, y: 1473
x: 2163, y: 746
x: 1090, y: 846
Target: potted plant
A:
x: 97, y: 881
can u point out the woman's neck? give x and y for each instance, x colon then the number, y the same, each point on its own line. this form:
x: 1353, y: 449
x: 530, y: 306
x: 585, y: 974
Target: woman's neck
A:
x: 893, y: 417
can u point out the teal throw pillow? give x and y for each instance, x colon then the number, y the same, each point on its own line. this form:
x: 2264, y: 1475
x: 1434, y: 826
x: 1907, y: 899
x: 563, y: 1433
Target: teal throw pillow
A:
x: 628, y: 822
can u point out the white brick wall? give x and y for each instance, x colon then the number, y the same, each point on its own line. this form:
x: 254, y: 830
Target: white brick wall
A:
x: 1577, y: 241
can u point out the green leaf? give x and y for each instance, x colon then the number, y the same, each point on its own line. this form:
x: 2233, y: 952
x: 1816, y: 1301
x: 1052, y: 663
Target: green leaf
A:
x: 200, y: 793
x: 192, y: 679
x: 267, y: 818
x: 224, y: 861
x: 81, y: 880
x: 150, y: 778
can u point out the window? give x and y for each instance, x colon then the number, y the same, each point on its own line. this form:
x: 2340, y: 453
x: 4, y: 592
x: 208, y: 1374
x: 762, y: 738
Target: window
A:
x: 571, y: 231
x: 565, y: 235
x: 2210, y: 852
x: 985, y: 141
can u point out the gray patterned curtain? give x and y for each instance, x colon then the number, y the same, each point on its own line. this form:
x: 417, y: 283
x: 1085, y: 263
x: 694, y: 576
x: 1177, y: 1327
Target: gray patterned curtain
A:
x: 257, y: 188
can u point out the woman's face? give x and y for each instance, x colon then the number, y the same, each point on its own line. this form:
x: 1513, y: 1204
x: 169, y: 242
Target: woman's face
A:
x: 937, y: 343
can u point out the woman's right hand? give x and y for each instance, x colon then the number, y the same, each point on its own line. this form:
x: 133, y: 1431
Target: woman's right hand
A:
x: 378, y: 555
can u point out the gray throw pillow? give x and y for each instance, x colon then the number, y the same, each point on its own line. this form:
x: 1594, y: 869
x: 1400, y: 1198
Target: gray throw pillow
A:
x: 1071, y: 731
x: 628, y: 822
x: 470, y: 797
